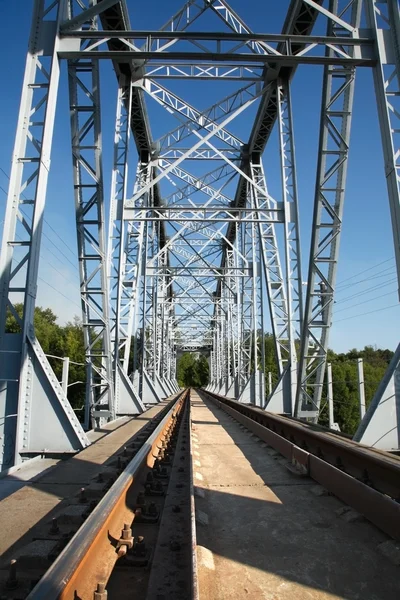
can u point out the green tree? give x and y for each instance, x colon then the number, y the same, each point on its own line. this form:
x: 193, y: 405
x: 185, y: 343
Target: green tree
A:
x: 58, y: 341
x: 183, y: 364
x: 203, y: 371
x: 345, y: 384
x: 192, y: 372
x: 73, y: 347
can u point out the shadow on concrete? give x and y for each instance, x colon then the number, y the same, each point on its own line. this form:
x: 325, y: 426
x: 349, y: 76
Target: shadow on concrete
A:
x: 283, y: 534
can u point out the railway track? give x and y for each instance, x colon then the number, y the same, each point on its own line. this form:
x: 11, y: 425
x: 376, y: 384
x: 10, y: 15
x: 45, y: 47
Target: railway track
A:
x: 139, y: 539
x: 109, y: 535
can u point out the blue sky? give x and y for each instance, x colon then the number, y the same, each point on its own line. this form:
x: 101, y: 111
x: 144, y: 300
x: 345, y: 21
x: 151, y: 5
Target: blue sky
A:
x: 366, y: 275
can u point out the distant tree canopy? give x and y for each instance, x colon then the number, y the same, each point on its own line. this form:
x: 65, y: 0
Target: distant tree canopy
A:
x: 192, y: 371
x: 68, y: 341
x: 59, y: 341
x: 345, y: 384
x: 345, y: 381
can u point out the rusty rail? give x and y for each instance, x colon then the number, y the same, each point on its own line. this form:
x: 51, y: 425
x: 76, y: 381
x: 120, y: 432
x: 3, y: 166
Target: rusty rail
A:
x: 92, y: 549
x: 366, y: 479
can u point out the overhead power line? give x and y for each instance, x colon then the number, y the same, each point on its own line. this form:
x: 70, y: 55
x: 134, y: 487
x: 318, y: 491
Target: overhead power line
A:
x: 364, y: 271
x: 365, y: 301
x: 367, y: 290
x: 384, y: 273
x: 47, y: 223
x: 58, y: 292
x: 369, y: 312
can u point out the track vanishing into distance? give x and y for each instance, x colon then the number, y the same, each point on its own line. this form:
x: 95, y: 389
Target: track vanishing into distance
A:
x: 214, y: 499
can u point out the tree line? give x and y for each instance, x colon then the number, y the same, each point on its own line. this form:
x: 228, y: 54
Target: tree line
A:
x: 193, y: 371
x: 345, y: 381
x: 59, y: 340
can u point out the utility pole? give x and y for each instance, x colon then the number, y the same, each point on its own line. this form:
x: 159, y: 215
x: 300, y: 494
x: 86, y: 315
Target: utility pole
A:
x: 330, y: 395
x: 361, y: 390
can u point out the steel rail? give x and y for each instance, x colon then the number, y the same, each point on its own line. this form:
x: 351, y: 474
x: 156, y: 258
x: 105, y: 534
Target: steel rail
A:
x: 366, y: 479
x: 60, y: 581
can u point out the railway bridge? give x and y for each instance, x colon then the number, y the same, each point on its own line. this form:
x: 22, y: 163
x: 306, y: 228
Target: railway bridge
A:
x: 236, y: 489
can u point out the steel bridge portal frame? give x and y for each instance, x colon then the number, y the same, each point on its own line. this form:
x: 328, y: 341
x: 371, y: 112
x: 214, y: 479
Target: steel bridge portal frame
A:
x: 196, y: 268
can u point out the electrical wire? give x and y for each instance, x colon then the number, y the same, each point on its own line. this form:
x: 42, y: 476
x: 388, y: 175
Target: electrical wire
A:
x: 58, y: 291
x: 364, y: 271
x: 49, y: 239
x: 369, y: 312
x: 47, y: 261
x: 55, y: 289
x: 47, y: 223
x: 367, y: 290
x: 391, y: 270
x: 365, y: 302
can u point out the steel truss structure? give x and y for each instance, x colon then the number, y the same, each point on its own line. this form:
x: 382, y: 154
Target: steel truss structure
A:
x: 198, y: 255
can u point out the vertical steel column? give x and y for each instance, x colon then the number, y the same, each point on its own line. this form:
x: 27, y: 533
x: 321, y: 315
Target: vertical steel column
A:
x: 134, y: 254
x: 162, y: 309
x: 384, y: 20
x: 147, y: 303
x: 291, y: 216
x: 212, y: 368
x: 252, y: 388
x: 225, y: 334
x: 151, y: 355
x: 258, y: 303
x: 35, y: 396
x: 117, y: 229
x: 84, y: 95
x: 140, y: 355
x: 246, y: 315
x: 89, y: 203
x: 272, y: 267
x: 30, y: 170
x: 232, y: 310
x: 336, y: 111
x: 118, y: 267
x: 237, y: 332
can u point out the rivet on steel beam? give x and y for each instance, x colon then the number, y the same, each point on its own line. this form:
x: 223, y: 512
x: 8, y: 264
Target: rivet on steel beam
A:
x: 12, y: 581
x: 82, y: 496
x: 54, y: 527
